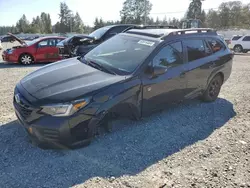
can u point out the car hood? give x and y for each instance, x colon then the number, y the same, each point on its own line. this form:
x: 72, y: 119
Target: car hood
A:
x: 18, y: 39
x: 66, y: 80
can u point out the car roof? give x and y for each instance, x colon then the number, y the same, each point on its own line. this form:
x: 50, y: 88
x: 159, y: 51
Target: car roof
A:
x: 109, y: 26
x: 49, y: 37
x: 162, y: 33
x: 156, y: 32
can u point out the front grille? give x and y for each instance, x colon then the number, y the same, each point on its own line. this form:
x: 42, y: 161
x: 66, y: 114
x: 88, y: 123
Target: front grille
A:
x: 23, y: 108
x: 51, y: 134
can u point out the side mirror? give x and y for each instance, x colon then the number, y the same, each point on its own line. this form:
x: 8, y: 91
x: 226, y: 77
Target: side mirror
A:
x: 159, y: 70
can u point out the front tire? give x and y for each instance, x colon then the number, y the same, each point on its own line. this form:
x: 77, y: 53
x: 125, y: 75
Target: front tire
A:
x: 238, y: 49
x: 26, y: 59
x: 213, y: 89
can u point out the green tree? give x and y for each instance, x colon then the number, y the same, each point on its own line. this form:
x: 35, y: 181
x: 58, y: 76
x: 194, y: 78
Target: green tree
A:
x: 23, y: 24
x: 57, y: 28
x: 98, y: 23
x: 194, y: 9
x: 66, y: 18
x: 35, y: 25
x: 87, y: 29
x: 7, y: 29
x: 212, y: 19
x: 46, y: 23
x: 134, y: 11
x: 78, y: 26
x: 157, y: 21
x: 224, y: 15
x: 165, y: 21
x: 150, y: 21
x: 245, y: 16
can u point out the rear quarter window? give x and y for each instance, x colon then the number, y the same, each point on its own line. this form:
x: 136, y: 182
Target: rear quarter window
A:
x: 215, y: 45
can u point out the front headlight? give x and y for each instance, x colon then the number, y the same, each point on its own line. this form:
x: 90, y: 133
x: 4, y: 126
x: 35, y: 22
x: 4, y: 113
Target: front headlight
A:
x: 10, y: 51
x: 64, y: 109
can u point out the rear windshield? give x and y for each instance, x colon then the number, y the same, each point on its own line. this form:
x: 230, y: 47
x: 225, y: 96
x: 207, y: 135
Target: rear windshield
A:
x: 236, y: 37
x: 122, y: 53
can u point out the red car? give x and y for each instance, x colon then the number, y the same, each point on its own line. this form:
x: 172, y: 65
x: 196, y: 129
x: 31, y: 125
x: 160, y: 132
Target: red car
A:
x: 42, y: 49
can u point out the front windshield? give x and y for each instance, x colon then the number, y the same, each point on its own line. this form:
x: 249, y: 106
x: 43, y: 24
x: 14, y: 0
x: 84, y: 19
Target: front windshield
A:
x: 122, y: 53
x: 99, y: 32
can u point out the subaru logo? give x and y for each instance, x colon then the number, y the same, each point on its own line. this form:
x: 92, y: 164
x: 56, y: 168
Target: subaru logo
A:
x: 17, y: 98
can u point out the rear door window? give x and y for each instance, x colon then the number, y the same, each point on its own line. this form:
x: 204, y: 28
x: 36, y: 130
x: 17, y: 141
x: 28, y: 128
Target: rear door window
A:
x: 236, y: 37
x: 196, y: 49
x: 246, y: 38
x: 170, y: 55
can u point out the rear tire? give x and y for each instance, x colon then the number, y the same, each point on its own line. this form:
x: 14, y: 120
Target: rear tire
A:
x: 213, y: 89
x: 25, y: 59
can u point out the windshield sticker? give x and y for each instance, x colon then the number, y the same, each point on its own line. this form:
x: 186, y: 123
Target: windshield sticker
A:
x: 147, y: 43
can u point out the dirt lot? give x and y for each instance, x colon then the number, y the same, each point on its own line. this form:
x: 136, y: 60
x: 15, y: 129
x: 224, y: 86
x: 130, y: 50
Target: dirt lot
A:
x: 191, y: 145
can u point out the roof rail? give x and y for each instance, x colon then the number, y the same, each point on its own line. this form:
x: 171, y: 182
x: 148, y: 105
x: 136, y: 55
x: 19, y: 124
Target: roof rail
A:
x: 189, y: 31
x: 158, y: 27
x: 151, y: 27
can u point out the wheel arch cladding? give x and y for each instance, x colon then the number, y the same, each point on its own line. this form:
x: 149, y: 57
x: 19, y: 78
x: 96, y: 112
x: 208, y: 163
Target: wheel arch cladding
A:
x: 215, y: 74
x: 221, y: 75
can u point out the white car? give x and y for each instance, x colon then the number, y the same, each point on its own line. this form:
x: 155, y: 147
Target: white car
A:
x: 240, y: 43
x: 1, y: 47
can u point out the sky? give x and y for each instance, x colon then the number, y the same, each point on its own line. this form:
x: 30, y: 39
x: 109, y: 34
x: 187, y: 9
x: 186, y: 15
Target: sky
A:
x: 12, y: 10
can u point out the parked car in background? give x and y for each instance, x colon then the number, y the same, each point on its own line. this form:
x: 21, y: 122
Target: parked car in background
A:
x: 79, y: 45
x: 227, y: 40
x: 240, y: 43
x: 42, y: 49
x: 7, y: 38
x: 1, y: 47
x: 132, y: 74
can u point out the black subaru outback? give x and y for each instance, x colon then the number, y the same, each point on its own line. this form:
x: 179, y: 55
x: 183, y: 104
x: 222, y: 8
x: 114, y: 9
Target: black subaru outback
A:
x: 132, y: 74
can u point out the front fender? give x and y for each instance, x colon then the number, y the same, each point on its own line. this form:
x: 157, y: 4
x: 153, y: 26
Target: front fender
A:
x: 120, y: 98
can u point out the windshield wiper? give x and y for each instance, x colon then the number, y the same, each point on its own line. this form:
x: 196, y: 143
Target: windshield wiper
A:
x: 101, y: 67
x: 96, y: 65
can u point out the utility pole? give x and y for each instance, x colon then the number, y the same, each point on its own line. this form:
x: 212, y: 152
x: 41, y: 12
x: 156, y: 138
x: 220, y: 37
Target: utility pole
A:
x: 145, y: 12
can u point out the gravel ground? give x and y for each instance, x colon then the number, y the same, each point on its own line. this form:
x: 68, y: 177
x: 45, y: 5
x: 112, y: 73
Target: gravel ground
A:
x: 191, y: 145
